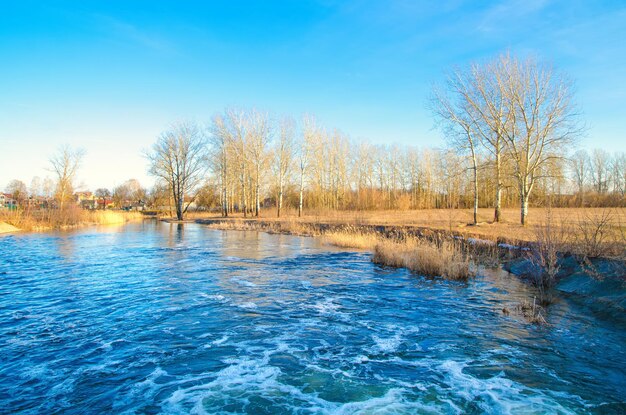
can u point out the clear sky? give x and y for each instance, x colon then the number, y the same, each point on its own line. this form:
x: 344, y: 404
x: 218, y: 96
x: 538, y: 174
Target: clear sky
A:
x: 108, y: 76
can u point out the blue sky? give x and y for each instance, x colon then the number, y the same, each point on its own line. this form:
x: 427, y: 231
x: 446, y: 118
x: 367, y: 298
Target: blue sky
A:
x: 108, y: 76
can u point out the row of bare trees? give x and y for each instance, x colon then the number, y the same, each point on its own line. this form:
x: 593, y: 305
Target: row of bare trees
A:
x: 298, y: 165
x: 509, y: 125
x: 598, y: 176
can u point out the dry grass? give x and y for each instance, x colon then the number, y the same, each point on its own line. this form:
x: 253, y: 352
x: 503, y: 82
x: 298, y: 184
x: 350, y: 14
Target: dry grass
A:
x: 42, y: 220
x: 352, y: 238
x: 108, y: 217
x: 456, y: 220
x: 443, y: 259
x: 284, y: 227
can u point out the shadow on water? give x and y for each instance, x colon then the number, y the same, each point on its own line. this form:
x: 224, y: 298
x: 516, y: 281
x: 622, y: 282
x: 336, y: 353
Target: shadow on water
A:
x: 173, y: 318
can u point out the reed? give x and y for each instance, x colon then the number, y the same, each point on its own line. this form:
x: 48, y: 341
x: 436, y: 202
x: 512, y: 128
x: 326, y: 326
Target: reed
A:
x: 352, y: 239
x: 429, y: 258
x: 46, y: 219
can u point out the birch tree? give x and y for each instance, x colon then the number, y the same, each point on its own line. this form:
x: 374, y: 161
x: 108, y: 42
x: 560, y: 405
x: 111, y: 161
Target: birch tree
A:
x: 476, y: 104
x: 543, y: 122
x: 455, y: 118
x: 283, y: 158
x: 259, y: 131
x: 305, y: 148
x: 220, y: 142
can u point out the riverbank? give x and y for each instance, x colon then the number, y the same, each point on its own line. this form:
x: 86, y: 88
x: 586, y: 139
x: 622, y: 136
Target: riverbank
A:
x: 42, y: 220
x: 7, y: 228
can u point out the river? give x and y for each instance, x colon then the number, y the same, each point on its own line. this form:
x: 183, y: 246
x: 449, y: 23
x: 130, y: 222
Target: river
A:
x: 164, y: 318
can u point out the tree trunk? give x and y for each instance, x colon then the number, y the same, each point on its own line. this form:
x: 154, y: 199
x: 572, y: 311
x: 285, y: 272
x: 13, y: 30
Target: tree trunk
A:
x: 243, y: 199
x: 257, y: 201
x: 524, y: 210
x: 498, y: 202
x: 475, y: 193
x: 280, y: 197
x: 178, y: 200
x: 300, y: 203
x: 224, y: 202
x: 475, y: 173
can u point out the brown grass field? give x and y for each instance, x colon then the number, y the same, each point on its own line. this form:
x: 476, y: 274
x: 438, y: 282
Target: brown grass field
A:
x: 613, y: 220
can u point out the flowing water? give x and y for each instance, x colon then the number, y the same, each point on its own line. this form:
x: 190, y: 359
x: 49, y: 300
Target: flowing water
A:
x: 160, y: 318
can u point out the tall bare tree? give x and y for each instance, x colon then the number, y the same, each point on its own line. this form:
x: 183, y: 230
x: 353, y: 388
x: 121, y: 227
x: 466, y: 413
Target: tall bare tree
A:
x: 65, y: 164
x: 259, y: 131
x: 283, y: 158
x: 544, y: 122
x: 579, y: 163
x: 179, y: 157
x: 600, y: 171
x: 310, y: 134
x: 474, y: 103
x: 456, y: 117
x: 221, y: 141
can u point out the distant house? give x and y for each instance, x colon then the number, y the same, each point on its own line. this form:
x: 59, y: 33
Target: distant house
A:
x: 104, y: 202
x: 86, y: 200
x: 7, y: 201
x: 36, y: 202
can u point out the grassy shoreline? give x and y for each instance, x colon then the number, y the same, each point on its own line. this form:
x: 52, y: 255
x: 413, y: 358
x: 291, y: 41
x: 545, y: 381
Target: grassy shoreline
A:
x: 46, y: 220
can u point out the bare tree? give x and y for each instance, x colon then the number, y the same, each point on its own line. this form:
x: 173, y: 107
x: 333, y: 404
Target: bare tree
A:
x: 18, y: 190
x: 283, y: 158
x: 455, y: 117
x: 220, y: 141
x: 35, y: 187
x: 309, y: 135
x: 179, y: 157
x: 600, y: 160
x: 579, y: 163
x: 47, y: 188
x: 237, y: 130
x: 543, y: 122
x: 129, y: 194
x: 65, y: 164
x: 103, y: 194
x: 259, y: 131
x: 473, y: 111
x: 619, y: 173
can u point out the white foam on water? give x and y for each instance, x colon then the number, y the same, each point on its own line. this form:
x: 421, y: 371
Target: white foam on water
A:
x: 243, y: 283
x: 500, y: 395
x: 221, y: 340
x: 387, y: 345
x: 248, y: 306
x: 216, y: 297
x: 328, y: 307
x: 247, y: 378
x: 107, y: 346
x: 393, y: 402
